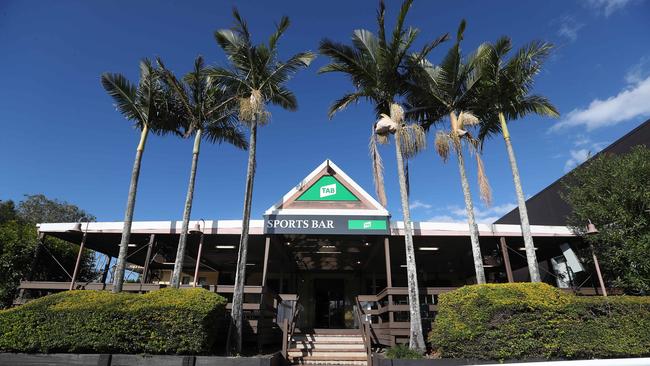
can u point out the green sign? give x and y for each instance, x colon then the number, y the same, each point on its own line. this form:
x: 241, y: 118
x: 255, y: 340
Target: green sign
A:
x: 366, y: 224
x: 327, y: 188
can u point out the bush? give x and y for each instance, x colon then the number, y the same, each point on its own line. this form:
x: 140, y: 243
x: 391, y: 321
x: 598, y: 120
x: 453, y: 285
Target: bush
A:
x: 535, y: 320
x: 404, y: 352
x: 168, y: 321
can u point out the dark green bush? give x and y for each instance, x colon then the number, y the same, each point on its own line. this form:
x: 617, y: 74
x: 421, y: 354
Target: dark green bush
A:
x: 535, y: 320
x: 404, y: 352
x: 167, y: 321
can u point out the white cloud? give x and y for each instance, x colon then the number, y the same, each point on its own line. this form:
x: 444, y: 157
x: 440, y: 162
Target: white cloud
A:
x: 443, y: 218
x: 577, y: 157
x: 637, y: 73
x: 569, y: 27
x: 631, y: 102
x: 486, y: 215
x: 608, y: 7
x: 419, y: 204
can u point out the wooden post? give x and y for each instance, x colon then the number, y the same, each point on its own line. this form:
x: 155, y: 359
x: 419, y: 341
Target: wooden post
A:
x: 75, y: 272
x: 389, y: 279
x: 600, y: 276
x: 506, y: 258
x: 198, y: 261
x: 107, y: 266
x: 32, y: 267
x: 145, y: 269
x: 266, y: 259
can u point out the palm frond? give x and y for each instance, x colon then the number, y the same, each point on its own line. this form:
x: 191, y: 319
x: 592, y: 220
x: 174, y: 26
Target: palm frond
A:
x: 483, y: 183
x: 280, y: 29
x: 442, y: 143
x: 343, y: 102
x: 124, y: 94
x: 377, y: 169
x: 412, y: 138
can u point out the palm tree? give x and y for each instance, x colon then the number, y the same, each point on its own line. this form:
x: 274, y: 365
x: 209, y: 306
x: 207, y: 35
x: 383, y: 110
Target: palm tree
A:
x: 206, y: 113
x: 505, y: 96
x: 256, y: 77
x: 377, y: 68
x: 147, y: 106
x: 450, y: 89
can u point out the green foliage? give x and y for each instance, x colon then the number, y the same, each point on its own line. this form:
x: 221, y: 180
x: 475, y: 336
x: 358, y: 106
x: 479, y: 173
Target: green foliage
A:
x: 37, y: 208
x: 613, y: 192
x: 535, y: 320
x: 402, y: 351
x: 168, y: 321
x: 19, y: 242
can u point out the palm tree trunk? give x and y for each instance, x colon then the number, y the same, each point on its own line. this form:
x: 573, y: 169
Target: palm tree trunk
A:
x: 118, y: 278
x: 180, y: 252
x: 236, y: 326
x: 531, y: 257
x: 469, y: 207
x: 416, y: 337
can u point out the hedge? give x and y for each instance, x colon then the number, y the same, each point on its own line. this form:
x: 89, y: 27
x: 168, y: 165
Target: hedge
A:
x: 167, y: 321
x: 535, y: 320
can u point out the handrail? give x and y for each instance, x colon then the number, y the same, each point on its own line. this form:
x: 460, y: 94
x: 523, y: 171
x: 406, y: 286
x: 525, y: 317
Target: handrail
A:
x: 365, y: 331
x: 289, y: 329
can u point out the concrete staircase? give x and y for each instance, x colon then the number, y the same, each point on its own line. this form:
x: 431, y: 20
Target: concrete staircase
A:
x: 331, y: 347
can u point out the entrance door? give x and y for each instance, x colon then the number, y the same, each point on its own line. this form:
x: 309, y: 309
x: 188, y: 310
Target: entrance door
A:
x: 329, y: 303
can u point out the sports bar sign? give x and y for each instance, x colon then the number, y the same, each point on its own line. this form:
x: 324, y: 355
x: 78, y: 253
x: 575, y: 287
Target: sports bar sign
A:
x: 320, y: 224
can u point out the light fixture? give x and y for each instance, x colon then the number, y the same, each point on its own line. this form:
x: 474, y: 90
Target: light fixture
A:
x: 196, y: 229
x: 366, y: 244
x: 591, y: 228
x: 328, y: 246
x: 76, y: 228
x: 322, y: 252
x: 250, y: 264
x: 169, y: 263
x: 225, y: 247
x: 524, y: 248
x: 403, y: 265
x: 429, y: 248
x: 288, y: 243
x: 358, y: 262
x: 132, y: 245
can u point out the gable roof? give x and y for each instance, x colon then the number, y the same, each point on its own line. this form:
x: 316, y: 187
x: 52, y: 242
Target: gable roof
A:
x: 349, y: 199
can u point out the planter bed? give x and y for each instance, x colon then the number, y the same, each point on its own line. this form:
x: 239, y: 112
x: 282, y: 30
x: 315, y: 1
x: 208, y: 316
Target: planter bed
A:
x: 73, y: 359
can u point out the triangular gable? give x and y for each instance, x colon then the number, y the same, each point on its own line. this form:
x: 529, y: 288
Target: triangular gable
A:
x: 327, y: 190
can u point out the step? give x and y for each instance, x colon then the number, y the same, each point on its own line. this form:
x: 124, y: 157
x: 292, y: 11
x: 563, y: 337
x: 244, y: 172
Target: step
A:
x: 327, y: 346
x: 335, y: 354
x: 328, y: 358
x: 329, y: 362
x: 327, y: 338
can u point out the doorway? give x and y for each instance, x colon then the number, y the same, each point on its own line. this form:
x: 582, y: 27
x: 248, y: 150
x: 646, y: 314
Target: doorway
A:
x: 329, y: 303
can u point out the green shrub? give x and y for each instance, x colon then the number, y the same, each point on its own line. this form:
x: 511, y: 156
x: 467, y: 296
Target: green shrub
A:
x: 167, y: 321
x: 535, y: 320
x: 404, y: 352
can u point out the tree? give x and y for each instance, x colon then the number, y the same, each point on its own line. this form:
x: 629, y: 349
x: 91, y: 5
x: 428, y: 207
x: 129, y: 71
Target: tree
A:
x: 377, y: 67
x: 450, y: 89
x: 505, y: 96
x: 612, y: 191
x: 255, y: 77
x: 19, y: 245
x: 207, y: 114
x: 147, y: 105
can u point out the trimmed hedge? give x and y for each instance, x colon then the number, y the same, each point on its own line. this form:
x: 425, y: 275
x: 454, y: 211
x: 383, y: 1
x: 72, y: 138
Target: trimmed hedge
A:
x: 535, y: 320
x: 167, y: 321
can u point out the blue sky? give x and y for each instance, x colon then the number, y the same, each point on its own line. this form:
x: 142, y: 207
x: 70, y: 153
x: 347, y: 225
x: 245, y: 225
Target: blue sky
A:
x: 61, y: 135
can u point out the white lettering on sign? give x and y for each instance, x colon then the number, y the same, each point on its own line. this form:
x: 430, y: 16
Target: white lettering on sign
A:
x: 328, y: 190
x: 300, y: 224
x: 367, y: 225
